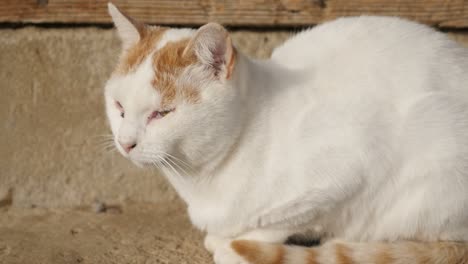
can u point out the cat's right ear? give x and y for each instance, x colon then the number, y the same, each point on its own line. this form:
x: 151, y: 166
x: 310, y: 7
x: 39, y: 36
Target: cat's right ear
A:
x: 129, y: 30
x: 213, y: 47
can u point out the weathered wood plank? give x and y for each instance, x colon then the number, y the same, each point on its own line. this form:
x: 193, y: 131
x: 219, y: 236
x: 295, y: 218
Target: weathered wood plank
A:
x: 442, y: 13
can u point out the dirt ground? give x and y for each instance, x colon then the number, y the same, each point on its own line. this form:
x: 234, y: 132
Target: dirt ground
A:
x: 128, y: 233
x: 63, y: 197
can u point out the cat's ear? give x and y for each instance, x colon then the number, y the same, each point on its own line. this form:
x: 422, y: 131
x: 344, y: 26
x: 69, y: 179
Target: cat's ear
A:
x: 129, y: 30
x: 213, y: 47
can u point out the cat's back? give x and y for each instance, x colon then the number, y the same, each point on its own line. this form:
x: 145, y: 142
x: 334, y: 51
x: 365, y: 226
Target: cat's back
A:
x: 387, y: 55
x: 361, y: 39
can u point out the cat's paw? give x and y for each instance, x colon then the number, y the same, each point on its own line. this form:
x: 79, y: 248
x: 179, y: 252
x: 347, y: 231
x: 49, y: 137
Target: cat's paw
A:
x: 224, y: 254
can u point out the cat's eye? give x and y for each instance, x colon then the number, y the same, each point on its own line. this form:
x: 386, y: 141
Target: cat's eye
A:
x: 158, y: 114
x: 120, y: 107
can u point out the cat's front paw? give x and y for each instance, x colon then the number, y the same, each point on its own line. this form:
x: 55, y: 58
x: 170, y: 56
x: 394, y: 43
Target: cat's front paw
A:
x: 224, y: 254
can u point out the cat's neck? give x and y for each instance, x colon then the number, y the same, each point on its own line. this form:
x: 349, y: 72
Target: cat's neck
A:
x: 265, y: 92
x: 261, y: 79
x: 261, y: 83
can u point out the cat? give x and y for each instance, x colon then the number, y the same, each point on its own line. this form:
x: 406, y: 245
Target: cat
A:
x: 354, y: 131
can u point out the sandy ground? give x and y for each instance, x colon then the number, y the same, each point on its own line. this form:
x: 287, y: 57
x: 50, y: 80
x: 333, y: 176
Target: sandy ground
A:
x: 55, y: 174
x: 128, y: 233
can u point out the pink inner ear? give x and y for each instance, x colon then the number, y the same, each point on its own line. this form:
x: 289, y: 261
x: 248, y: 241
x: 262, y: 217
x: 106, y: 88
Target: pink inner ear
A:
x: 218, y: 57
x: 230, y: 66
x: 213, y: 47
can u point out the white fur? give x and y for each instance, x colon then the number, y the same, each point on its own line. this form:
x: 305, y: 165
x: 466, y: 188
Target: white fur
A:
x: 357, y: 129
x: 126, y: 28
x: 174, y: 35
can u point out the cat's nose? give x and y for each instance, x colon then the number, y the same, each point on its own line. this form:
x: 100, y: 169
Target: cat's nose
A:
x: 127, y: 147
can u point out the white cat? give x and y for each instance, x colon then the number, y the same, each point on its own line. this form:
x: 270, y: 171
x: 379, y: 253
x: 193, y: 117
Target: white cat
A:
x: 354, y: 130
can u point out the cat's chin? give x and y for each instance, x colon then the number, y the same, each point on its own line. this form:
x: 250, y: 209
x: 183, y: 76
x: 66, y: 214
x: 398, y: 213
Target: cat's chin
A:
x: 144, y: 163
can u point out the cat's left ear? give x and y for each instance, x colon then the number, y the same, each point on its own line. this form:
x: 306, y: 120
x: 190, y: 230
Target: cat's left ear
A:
x: 213, y: 47
x: 130, y: 30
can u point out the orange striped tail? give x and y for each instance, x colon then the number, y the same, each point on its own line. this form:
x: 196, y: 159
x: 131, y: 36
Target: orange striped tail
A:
x: 335, y: 252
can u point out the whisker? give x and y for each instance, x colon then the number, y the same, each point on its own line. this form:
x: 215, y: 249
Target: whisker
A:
x: 188, y: 166
x: 103, y: 135
x: 184, y: 167
x: 170, y: 161
x: 178, y: 166
x: 156, y: 165
x: 105, y: 145
x: 175, y: 159
x: 170, y: 166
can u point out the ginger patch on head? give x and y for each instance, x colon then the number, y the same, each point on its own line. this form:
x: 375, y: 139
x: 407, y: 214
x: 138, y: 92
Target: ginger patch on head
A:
x: 134, y: 56
x: 169, y: 62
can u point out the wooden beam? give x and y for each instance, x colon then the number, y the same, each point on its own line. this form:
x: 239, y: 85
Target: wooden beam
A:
x: 441, y: 13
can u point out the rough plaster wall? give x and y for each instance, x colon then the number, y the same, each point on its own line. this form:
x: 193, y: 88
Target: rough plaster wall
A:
x: 52, y: 118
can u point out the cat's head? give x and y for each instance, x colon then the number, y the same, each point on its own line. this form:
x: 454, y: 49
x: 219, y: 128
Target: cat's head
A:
x: 173, y: 92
